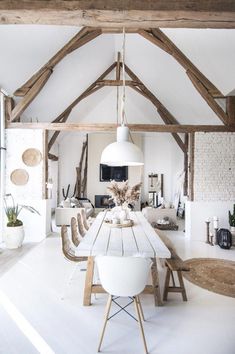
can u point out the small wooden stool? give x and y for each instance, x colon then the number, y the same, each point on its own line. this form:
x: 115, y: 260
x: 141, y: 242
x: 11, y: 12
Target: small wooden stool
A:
x: 175, y: 264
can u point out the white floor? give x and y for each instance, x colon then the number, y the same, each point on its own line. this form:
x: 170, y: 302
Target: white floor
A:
x: 33, y: 318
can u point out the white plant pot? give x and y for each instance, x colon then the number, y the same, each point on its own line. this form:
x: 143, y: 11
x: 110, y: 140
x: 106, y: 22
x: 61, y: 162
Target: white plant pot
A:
x: 14, y: 236
x: 232, y: 229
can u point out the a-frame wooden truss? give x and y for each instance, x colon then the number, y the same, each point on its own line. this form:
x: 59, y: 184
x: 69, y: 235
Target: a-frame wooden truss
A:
x: 206, y: 89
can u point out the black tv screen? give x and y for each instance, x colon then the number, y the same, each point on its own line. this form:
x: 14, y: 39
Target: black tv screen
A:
x: 116, y: 173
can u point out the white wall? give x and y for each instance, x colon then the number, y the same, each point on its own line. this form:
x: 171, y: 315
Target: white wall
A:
x: 214, y: 182
x: 214, y: 167
x: 162, y: 155
x: 17, y: 141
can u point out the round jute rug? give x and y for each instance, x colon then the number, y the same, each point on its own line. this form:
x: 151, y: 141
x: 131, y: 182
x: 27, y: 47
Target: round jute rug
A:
x: 213, y: 274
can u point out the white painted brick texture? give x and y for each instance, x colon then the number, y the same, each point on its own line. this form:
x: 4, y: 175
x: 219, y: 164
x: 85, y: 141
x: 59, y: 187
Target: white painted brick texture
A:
x: 214, y: 167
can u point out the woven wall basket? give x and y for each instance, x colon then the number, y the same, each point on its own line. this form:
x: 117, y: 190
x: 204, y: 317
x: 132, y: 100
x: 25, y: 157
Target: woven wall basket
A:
x: 32, y: 157
x: 19, y: 177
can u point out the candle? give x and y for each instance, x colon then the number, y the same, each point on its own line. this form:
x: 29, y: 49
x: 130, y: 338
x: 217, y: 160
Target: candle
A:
x: 215, y: 222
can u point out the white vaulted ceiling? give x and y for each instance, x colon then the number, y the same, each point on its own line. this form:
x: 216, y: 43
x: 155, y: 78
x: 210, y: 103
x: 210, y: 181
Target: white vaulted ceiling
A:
x: 25, y: 48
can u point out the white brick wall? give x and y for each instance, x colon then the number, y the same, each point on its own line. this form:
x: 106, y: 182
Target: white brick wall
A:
x: 214, y: 167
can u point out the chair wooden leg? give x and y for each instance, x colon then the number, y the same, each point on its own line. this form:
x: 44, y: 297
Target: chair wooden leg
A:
x: 107, y: 310
x: 140, y: 324
x: 155, y: 282
x: 140, y: 307
x: 173, y: 279
x: 88, y: 281
x: 167, y: 282
x: 183, y: 292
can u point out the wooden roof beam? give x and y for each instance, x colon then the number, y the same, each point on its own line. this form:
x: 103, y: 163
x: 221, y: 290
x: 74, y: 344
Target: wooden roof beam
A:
x: 55, y: 135
x: 208, y: 98
x: 84, y: 36
x: 104, y: 127
x: 166, y: 116
x: 157, y: 37
x: 34, y: 85
x: 62, y: 118
x: 52, y: 157
x: 230, y: 109
x: 122, y: 13
x: 31, y: 94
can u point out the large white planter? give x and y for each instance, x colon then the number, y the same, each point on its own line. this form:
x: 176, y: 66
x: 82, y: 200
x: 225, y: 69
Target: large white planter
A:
x: 14, y: 236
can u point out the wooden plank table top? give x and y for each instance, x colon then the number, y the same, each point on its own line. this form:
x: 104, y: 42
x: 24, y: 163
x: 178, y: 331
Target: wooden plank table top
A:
x: 139, y: 239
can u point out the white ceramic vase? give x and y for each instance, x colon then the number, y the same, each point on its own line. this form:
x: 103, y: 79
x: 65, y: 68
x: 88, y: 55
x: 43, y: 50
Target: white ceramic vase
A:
x: 120, y: 213
x: 232, y: 229
x: 14, y: 236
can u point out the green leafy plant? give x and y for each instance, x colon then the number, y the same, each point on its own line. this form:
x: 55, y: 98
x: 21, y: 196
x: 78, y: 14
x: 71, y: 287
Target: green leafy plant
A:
x: 13, y: 210
x: 231, y: 217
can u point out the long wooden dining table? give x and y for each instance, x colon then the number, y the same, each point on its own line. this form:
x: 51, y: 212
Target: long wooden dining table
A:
x: 139, y: 239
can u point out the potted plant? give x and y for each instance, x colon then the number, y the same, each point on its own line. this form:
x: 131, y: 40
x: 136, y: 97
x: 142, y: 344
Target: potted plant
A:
x: 14, y: 235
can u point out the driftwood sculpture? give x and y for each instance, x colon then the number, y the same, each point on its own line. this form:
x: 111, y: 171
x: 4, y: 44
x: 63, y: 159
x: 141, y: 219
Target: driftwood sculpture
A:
x: 81, y: 179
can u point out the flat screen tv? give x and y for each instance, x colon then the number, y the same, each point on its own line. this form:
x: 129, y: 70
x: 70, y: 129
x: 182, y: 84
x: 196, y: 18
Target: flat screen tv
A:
x: 116, y: 173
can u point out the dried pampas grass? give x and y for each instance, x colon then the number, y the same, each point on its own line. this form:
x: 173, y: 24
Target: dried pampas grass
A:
x: 121, y: 193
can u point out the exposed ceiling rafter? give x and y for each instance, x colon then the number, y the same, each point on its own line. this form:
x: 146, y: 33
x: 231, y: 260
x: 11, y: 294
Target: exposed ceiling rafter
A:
x: 208, y: 91
x: 102, y: 127
x: 203, y: 85
x: 166, y: 116
x: 157, y: 37
x: 34, y: 85
x: 121, y: 13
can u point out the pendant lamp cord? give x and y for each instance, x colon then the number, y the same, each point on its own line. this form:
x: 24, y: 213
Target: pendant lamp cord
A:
x: 123, y: 113
x: 117, y: 106
x: 123, y: 78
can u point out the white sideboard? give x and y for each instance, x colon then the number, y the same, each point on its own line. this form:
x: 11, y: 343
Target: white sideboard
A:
x: 63, y: 215
x: 154, y: 214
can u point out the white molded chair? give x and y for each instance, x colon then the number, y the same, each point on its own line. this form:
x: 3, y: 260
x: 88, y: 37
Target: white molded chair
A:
x: 123, y: 277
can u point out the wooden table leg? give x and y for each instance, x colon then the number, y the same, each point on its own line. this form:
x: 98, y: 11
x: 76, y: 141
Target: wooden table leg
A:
x: 88, y: 281
x: 155, y: 282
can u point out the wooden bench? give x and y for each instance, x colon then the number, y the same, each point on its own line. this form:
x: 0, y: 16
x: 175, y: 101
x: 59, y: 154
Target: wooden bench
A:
x: 175, y: 264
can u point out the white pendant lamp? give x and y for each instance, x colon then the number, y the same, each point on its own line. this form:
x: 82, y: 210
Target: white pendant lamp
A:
x: 122, y: 152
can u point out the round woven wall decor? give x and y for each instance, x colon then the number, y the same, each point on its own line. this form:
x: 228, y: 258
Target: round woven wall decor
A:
x: 32, y: 157
x: 19, y: 177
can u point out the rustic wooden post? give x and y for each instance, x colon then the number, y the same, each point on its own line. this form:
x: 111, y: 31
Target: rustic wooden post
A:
x: 9, y: 106
x: 230, y: 109
x: 84, y: 180
x: 191, y: 169
x: 186, y: 165
x: 45, y: 165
